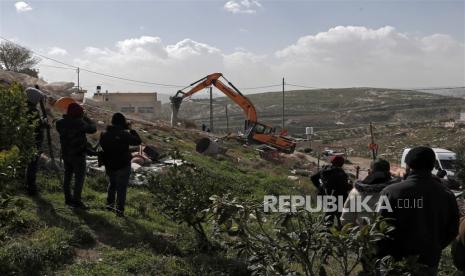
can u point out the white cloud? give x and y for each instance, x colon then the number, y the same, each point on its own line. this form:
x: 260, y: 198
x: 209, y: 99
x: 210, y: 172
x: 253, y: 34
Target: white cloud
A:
x: 22, y: 7
x: 343, y: 56
x: 189, y: 47
x: 243, y: 6
x: 95, y: 51
x: 57, y: 51
x: 354, y: 55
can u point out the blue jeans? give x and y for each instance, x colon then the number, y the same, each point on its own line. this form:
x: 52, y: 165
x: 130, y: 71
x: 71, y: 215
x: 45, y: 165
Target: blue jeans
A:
x: 119, y: 180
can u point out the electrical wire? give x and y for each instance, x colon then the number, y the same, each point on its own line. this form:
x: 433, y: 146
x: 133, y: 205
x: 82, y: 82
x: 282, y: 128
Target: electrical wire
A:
x: 94, y: 72
x: 58, y: 67
x: 260, y: 87
x: 73, y: 67
x: 301, y: 86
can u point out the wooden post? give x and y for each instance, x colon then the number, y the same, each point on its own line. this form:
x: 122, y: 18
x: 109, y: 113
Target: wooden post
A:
x: 211, y: 109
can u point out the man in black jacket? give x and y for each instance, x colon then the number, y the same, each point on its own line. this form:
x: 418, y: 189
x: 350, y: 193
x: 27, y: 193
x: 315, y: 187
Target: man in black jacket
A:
x: 424, y: 212
x: 115, y: 142
x: 73, y: 128
x: 332, y: 180
x: 34, y: 97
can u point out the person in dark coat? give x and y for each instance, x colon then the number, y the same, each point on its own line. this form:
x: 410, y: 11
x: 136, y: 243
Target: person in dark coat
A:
x: 115, y: 142
x: 424, y: 213
x: 332, y: 180
x: 73, y: 128
x: 379, y: 177
x: 34, y: 96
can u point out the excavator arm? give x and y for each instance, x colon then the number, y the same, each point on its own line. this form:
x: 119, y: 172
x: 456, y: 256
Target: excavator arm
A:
x: 233, y: 93
x: 254, y: 130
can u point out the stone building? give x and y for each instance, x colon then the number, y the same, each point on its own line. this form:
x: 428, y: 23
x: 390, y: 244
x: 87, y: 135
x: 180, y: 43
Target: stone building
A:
x: 140, y: 104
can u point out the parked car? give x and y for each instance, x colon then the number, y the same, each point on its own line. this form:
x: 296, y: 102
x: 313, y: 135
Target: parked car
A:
x: 445, y: 160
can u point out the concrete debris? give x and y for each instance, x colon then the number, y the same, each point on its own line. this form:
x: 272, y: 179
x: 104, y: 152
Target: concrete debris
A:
x: 207, y: 146
x: 293, y: 177
x: 151, y: 152
x: 268, y: 153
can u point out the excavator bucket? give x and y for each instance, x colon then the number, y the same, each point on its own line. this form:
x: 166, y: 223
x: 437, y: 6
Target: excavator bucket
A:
x: 175, y: 105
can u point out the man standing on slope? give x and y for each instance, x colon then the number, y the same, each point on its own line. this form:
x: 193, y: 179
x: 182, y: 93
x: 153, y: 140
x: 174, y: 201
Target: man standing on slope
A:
x: 73, y: 128
x: 424, y: 212
x: 34, y: 97
x: 332, y: 180
x: 115, y: 142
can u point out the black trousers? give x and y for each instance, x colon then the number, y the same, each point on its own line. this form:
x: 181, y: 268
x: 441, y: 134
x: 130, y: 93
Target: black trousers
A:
x: 119, y: 180
x: 74, y: 166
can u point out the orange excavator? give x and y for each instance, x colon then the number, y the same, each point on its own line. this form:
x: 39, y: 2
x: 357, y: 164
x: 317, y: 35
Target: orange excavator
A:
x: 254, y: 131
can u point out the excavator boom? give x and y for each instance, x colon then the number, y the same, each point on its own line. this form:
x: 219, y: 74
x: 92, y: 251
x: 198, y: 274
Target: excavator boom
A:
x: 254, y: 130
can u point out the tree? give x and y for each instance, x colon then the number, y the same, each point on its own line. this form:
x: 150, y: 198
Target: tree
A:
x: 16, y: 58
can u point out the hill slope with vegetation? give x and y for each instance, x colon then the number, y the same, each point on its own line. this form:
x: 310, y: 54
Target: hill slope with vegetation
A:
x: 329, y: 108
x: 201, y: 218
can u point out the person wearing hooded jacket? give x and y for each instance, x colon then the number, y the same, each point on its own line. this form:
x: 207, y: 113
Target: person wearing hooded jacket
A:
x: 332, y: 180
x: 424, y: 214
x: 73, y: 128
x: 34, y: 96
x: 115, y: 142
x: 378, y: 178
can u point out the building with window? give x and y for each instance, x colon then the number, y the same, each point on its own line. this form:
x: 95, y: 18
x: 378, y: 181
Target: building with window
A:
x: 130, y: 103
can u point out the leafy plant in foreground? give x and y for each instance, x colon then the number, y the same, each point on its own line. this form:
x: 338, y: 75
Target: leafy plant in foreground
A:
x: 182, y: 194
x: 294, y: 243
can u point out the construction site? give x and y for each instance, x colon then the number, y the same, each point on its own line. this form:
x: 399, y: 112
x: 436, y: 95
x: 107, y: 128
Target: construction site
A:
x: 314, y: 139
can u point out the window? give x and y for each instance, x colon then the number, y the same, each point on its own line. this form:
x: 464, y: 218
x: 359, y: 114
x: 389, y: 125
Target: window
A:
x: 128, y: 109
x: 448, y: 164
x: 146, y: 109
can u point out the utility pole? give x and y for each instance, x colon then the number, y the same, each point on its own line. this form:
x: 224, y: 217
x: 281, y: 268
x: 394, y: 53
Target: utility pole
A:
x: 227, y: 118
x: 373, y: 146
x: 283, y: 105
x: 211, y: 109
x: 79, y: 87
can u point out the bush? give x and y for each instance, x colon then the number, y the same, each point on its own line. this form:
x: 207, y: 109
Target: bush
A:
x: 83, y: 236
x: 182, y: 194
x: 17, y: 144
x: 9, y: 163
x: 294, y: 243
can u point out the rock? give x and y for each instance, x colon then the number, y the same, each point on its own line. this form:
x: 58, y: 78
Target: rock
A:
x: 8, y: 77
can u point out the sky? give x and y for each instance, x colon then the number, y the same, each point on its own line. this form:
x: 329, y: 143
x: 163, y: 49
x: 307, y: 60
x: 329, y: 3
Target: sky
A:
x: 252, y: 42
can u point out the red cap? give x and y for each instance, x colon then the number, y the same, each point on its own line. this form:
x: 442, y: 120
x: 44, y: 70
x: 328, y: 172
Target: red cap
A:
x: 75, y: 110
x: 337, y: 160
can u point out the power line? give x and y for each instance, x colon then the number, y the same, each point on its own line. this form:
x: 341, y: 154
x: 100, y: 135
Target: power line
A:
x: 131, y: 80
x: 94, y: 72
x: 58, y: 67
x: 260, y: 87
x: 301, y: 86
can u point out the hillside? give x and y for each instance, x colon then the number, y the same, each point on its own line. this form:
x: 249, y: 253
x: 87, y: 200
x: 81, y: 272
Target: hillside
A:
x: 40, y: 235
x: 323, y: 108
x: 341, y: 117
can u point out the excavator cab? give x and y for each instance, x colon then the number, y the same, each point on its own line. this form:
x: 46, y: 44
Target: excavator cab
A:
x: 255, y: 127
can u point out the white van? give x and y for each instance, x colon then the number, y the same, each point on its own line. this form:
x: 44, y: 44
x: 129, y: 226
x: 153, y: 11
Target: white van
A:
x: 445, y: 160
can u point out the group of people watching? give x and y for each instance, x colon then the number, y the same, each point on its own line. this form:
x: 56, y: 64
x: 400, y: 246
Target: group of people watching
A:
x: 423, y: 231
x: 424, y: 212
x: 72, y: 129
